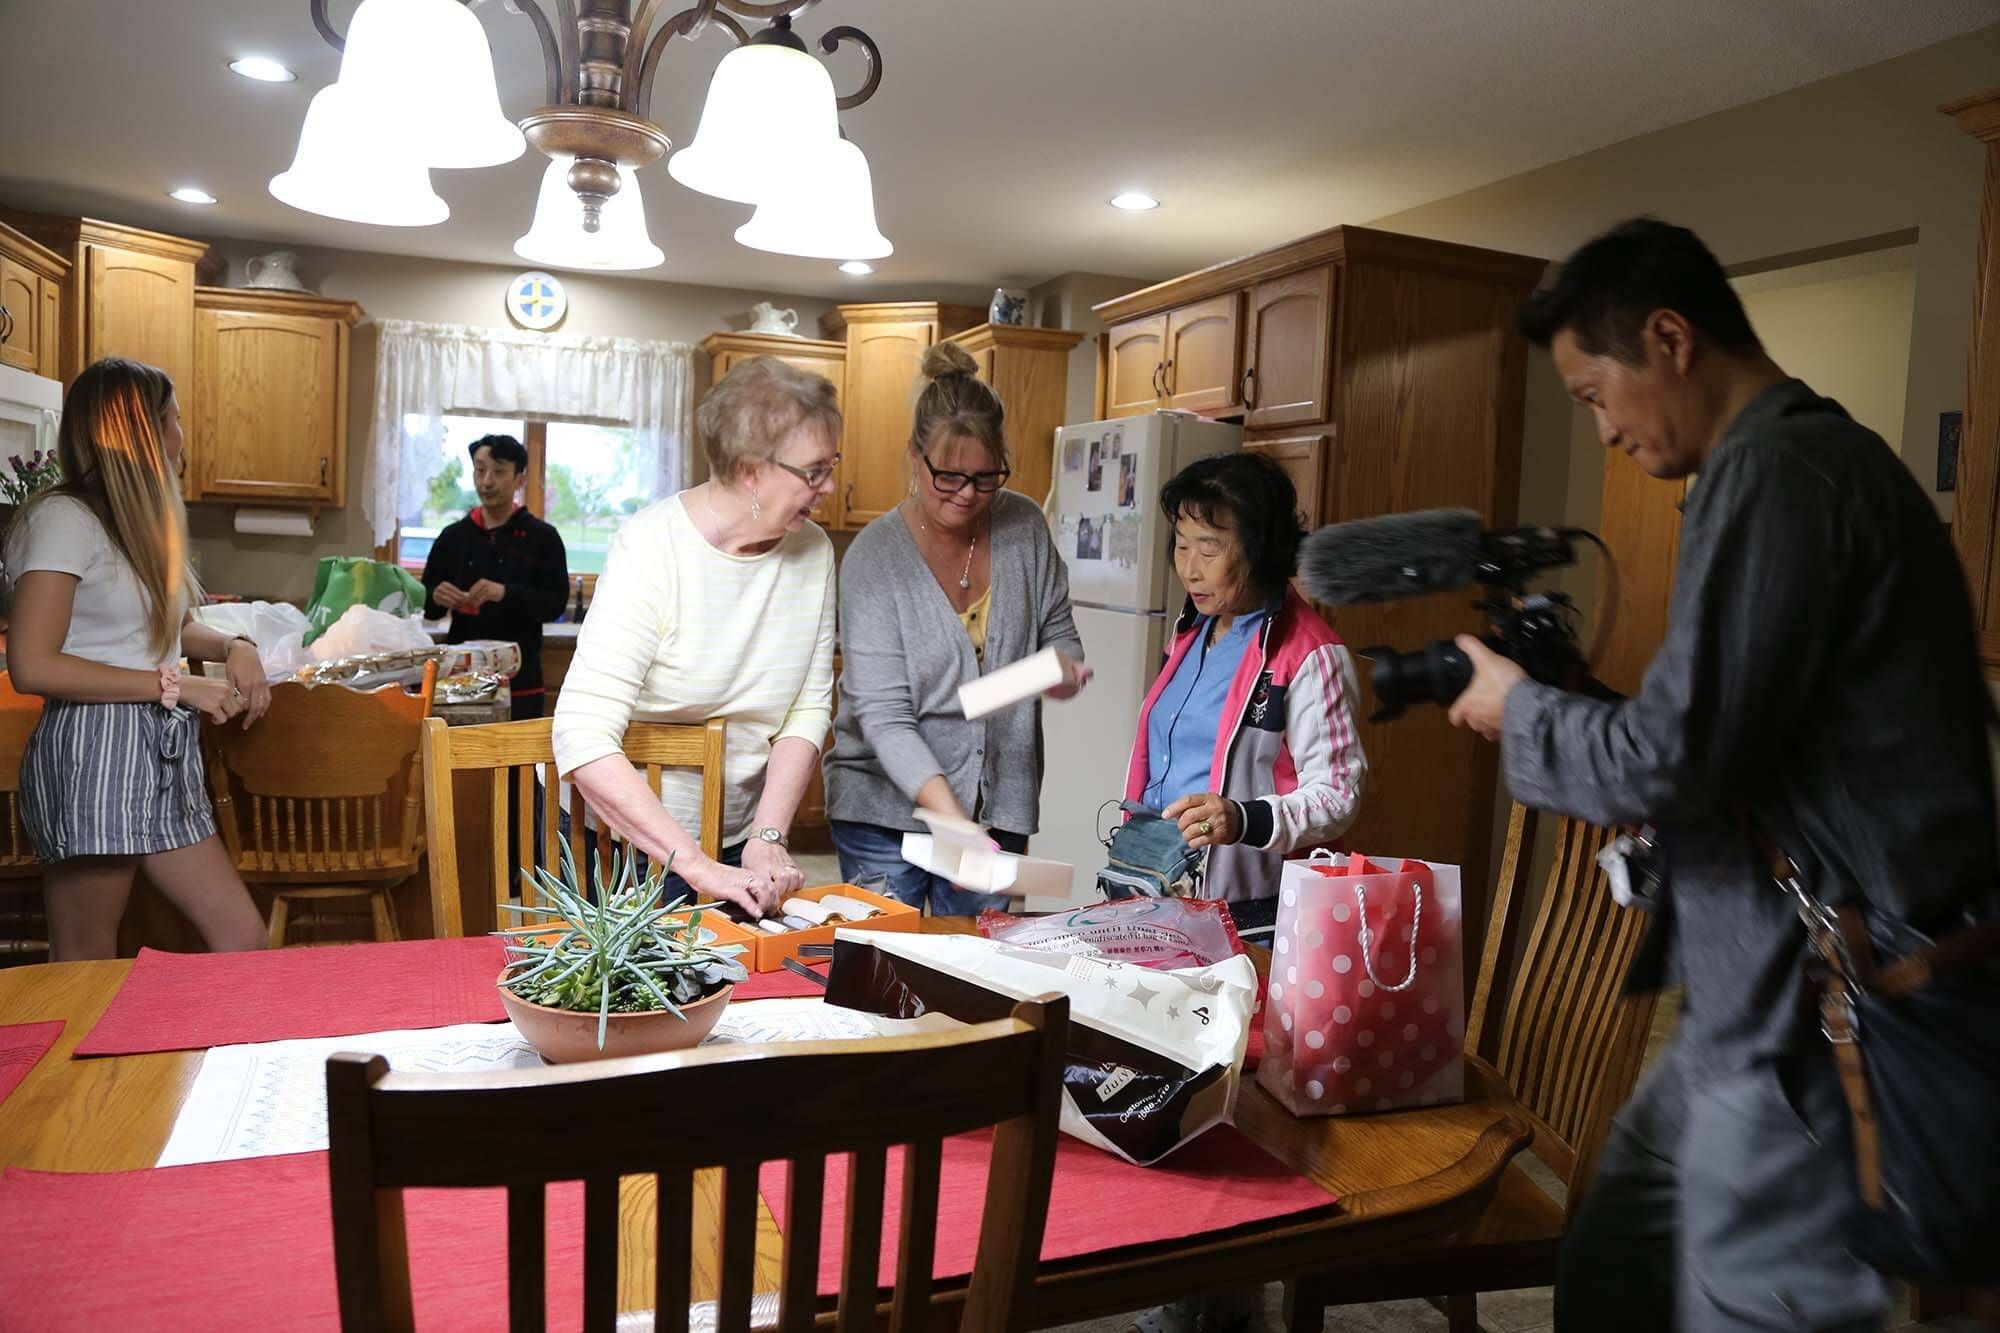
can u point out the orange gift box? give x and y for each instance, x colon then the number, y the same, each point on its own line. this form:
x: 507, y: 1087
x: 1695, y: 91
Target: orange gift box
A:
x: 768, y: 952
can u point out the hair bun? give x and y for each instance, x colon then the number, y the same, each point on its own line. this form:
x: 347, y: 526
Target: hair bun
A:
x: 946, y: 358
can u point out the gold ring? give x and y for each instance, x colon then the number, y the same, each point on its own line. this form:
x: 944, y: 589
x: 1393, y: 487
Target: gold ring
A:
x: 1206, y: 828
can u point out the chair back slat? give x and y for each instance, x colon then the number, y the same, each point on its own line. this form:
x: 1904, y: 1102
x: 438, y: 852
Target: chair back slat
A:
x: 519, y: 756
x: 861, y: 1239
x: 328, y: 783
x: 673, y: 1247
x: 600, y: 1252
x: 736, y: 1261
x: 651, y: 1116
x: 1561, y: 1032
x: 805, y: 1199
x: 527, y: 1268
x: 916, y: 1243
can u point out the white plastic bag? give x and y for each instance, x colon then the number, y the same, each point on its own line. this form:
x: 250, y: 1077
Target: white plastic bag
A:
x: 363, y: 629
x: 277, y: 628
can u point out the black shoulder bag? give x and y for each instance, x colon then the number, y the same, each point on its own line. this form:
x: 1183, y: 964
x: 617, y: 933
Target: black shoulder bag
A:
x: 1914, y: 1023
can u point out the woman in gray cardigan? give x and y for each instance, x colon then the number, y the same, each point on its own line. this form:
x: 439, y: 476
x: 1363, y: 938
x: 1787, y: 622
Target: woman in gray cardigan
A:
x: 959, y: 579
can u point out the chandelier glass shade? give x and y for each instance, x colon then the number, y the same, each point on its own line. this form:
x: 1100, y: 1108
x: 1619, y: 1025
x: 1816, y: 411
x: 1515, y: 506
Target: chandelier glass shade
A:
x: 351, y: 166
x: 559, y: 239
x: 417, y: 90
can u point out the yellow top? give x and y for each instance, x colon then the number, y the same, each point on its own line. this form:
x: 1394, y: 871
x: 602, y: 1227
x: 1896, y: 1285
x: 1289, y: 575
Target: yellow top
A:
x: 974, y: 619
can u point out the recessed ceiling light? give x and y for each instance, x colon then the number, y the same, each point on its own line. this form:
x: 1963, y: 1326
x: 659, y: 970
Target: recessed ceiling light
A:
x: 263, y: 69
x: 1134, y: 201
x: 191, y: 194
x: 859, y: 268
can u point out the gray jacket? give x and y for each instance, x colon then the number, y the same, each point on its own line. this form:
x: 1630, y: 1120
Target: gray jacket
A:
x: 1821, y: 675
x: 904, y: 654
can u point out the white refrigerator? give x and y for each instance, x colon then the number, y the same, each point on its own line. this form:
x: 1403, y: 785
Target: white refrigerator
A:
x: 1105, y: 514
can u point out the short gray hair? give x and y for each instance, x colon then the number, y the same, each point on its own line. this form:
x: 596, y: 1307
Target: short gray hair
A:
x: 755, y: 406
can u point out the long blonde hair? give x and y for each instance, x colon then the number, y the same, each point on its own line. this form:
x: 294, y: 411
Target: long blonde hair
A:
x: 113, y: 456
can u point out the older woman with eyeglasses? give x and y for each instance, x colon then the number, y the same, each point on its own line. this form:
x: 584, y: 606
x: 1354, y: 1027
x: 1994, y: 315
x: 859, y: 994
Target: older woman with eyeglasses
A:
x: 718, y: 602
x: 959, y: 579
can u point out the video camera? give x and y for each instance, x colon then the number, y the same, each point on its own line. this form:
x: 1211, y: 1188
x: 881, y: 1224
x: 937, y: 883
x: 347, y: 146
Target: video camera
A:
x: 1437, y: 550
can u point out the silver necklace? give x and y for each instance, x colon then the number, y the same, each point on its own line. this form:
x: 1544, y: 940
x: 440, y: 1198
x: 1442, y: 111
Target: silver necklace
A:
x: 965, y: 575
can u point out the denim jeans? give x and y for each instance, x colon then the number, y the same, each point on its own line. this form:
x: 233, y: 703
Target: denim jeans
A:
x: 872, y: 851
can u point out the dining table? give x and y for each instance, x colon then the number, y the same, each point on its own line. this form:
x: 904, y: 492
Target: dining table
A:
x: 1392, y: 1178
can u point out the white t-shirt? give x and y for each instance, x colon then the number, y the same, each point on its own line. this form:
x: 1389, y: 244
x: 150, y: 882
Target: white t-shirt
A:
x: 107, y: 621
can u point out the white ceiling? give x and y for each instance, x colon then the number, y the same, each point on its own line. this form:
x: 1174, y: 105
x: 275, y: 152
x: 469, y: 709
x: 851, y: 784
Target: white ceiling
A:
x: 1000, y: 129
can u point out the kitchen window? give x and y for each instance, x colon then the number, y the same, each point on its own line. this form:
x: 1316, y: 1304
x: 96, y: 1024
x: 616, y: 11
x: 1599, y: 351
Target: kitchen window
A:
x: 583, y: 477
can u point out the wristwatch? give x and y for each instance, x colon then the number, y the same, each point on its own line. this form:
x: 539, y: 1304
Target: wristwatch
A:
x: 771, y: 835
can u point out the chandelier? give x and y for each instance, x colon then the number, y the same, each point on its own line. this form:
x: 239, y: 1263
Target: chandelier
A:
x: 416, y: 91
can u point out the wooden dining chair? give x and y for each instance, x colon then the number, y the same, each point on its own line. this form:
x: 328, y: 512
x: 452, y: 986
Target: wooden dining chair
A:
x: 1567, y: 1042
x: 23, y: 930
x: 322, y: 799
x: 668, y: 1117
x: 519, y: 755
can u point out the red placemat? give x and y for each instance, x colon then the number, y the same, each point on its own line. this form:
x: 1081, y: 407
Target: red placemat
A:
x: 21, y: 1044
x: 781, y: 984
x: 1096, y: 1202
x: 249, y: 1245
x: 190, y: 1001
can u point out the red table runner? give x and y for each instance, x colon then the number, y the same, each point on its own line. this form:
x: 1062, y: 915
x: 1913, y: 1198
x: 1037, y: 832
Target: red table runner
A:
x: 21, y: 1044
x: 1096, y: 1201
x: 191, y: 1001
x: 249, y: 1245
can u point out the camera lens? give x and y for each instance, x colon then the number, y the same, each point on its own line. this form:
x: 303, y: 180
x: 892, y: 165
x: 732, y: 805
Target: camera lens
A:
x: 1435, y: 673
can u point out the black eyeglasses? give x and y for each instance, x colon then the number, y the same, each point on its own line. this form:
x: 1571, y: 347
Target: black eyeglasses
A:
x: 814, y: 477
x: 951, y: 483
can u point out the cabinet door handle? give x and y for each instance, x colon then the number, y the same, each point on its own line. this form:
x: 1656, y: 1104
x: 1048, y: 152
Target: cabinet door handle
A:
x: 322, y: 469
x: 1158, y: 392
x: 848, y: 501
x: 6, y: 324
x: 1250, y: 386
x: 1167, y: 379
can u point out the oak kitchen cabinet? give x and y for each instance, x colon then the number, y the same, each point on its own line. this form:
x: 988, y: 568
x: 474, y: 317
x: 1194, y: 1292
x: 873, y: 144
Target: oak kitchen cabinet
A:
x: 129, y: 293
x: 268, y: 420
x: 1384, y: 373
x: 1189, y: 357
x: 885, y: 346
x: 1029, y: 370
x: 31, y: 283
x: 726, y: 351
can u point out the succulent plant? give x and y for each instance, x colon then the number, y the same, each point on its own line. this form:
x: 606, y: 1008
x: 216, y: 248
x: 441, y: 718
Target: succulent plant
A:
x: 621, y: 951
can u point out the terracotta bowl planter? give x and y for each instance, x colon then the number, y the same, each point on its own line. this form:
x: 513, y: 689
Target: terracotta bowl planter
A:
x: 565, y: 1036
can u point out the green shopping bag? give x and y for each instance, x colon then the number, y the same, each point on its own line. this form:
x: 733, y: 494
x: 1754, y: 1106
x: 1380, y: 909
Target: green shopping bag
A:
x: 355, y: 580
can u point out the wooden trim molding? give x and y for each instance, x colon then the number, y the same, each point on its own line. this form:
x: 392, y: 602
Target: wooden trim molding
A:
x: 951, y: 318
x: 771, y: 344
x: 260, y: 301
x: 60, y: 233
x: 1978, y: 115
x: 30, y: 253
x: 1334, y: 244
x: 982, y: 336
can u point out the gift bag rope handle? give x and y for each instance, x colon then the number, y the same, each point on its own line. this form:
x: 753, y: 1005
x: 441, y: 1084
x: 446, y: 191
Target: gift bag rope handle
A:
x: 1368, y: 942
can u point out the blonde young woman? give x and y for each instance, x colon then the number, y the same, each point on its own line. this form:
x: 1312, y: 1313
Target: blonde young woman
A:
x: 959, y: 579
x: 102, y: 590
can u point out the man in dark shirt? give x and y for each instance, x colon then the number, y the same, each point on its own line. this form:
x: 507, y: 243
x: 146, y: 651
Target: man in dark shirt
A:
x: 500, y: 571
x: 1820, y: 677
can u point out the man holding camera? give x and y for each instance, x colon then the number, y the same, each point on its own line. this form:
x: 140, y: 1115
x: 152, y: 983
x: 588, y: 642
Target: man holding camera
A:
x: 1819, y: 687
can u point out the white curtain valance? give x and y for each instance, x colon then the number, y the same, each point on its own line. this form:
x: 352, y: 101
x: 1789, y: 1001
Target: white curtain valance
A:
x: 428, y: 370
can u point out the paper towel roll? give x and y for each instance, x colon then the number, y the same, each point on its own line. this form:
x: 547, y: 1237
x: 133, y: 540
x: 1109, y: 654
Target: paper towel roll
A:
x: 274, y: 522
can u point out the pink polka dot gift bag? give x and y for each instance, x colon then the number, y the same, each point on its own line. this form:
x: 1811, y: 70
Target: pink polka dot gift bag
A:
x: 1365, y: 1009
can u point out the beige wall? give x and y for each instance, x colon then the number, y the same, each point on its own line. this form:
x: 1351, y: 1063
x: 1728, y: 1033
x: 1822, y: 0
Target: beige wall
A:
x: 1861, y: 155
x: 1844, y: 326
x: 397, y: 287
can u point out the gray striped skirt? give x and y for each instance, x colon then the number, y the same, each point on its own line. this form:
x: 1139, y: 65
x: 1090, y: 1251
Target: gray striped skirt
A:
x: 113, y: 780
